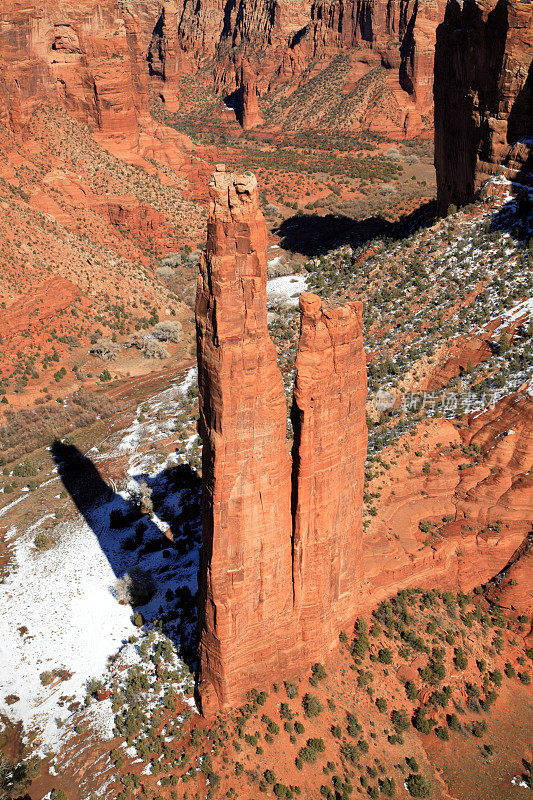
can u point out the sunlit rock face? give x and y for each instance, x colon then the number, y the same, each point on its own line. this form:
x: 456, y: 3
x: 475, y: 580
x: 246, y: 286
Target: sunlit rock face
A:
x: 281, y: 552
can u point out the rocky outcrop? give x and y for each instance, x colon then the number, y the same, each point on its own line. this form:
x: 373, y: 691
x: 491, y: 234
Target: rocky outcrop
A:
x: 84, y: 56
x: 330, y: 439
x: 458, y: 524
x: 164, y: 56
x: 250, y: 116
x: 129, y: 213
x: 275, y: 587
x: 483, y: 95
x: 247, y: 630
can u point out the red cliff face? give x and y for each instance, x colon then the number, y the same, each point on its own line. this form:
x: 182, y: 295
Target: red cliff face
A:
x: 391, y: 41
x: 330, y: 450
x: 251, y: 116
x: 274, y: 591
x: 164, y: 55
x: 85, y: 56
x: 483, y: 95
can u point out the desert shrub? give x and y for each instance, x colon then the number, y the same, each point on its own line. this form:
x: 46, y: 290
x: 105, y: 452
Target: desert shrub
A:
x: 28, y: 429
x: 42, y: 541
x: 317, y: 745
x: 154, y: 349
x: 460, y: 660
x: 381, y: 704
x: 58, y: 794
x: 385, y: 656
x: 479, y: 728
x: 411, y: 690
x: 318, y: 674
x: 285, y: 711
x: 291, y: 689
x: 417, y: 785
x: 105, y: 349
x: 421, y: 722
x: 442, y: 733
x: 496, y: 677
x: 312, y: 705
x: 360, y: 646
x: 350, y: 752
x: 400, y: 720
x: 167, y: 331
x: 135, y: 588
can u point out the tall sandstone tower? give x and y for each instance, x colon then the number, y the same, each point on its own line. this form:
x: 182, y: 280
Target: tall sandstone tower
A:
x: 281, y: 556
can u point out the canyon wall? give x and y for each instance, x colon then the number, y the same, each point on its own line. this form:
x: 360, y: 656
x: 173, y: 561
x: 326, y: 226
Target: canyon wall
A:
x: 381, y: 49
x: 483, y: 95
x: 84, y: 56
x: 369, y: 63
x: 276, y: 584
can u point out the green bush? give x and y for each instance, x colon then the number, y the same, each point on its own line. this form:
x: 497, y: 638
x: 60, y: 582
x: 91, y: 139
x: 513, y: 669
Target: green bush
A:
x: 421, y: 722
x: 318, y: 673
x: 400, y: 720
x: 291, y: 689
x: 350, y: 752
x: 460, y: 660
x: 385, y: 656
x: 411, y: 690
x: 417, y: 786
x: 312, y: 706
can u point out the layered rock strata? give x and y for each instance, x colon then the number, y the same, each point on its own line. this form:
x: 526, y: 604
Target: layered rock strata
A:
x: 275, y: 587
x: 483, y: 95
x: 85, y: 57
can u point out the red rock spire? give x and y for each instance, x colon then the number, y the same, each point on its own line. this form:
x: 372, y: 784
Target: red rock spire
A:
x: 330, y: 440
x: 276, y: 585
x: 245, y: 573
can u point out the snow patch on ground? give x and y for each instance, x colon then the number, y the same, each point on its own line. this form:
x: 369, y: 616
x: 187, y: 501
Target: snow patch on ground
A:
x: 286, y: 289
x: 62, y: 596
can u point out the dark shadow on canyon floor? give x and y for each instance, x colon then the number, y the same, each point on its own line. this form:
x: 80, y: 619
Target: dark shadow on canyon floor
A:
x: 313, y: 235
x: 164, y: 563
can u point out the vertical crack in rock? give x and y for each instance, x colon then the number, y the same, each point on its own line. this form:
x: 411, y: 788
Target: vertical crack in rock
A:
x: 483, y: 91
